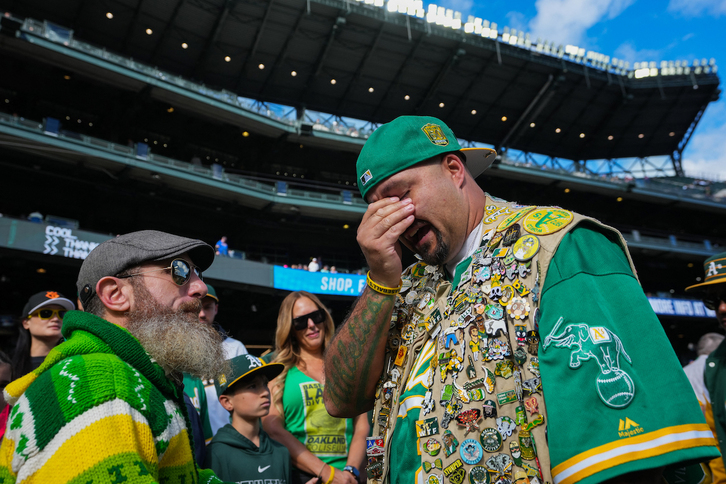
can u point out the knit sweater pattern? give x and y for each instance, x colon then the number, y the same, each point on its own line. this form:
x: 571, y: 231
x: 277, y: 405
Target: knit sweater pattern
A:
x: 98, y: 410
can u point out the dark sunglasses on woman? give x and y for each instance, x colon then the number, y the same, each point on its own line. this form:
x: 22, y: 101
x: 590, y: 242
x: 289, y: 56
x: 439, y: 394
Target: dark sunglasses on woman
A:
x: 48, y: 313
x: 301, y: 322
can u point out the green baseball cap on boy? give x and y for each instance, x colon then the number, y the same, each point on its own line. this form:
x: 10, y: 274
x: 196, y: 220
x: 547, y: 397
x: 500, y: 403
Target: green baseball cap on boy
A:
x: 244, y: 367
x: 408, y: 140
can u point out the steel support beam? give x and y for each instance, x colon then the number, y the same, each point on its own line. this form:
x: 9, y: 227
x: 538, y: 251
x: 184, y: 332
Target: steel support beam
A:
x: 169, y: 26
x: 218, y: 24
x: 256, y: 43
x: 526, y: 112
x: 361, y: 66
x: 440, y: 77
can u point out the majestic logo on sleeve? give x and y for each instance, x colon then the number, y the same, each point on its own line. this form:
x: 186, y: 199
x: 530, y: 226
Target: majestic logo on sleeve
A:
x: 614, y: 385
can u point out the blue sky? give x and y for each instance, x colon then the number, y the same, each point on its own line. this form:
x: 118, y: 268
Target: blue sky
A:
x: 636, y: 31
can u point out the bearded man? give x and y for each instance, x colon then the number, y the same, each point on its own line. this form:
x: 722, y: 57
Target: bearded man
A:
x: 107, y: 404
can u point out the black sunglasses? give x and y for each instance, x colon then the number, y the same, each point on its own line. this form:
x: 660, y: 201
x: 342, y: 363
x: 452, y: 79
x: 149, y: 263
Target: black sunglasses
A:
x: 301, y: 322
x: 713, y: 299
x: 181, y: 272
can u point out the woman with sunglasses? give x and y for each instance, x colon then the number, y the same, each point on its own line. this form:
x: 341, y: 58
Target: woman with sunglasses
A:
x: 331, y: 449
x: 39, y: 330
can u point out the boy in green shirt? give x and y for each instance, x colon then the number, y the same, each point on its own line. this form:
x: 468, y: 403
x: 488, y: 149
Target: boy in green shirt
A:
x: 242, y: 451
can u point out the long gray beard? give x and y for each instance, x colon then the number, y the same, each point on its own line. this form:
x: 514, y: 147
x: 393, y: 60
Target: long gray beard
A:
x: 176, y: 339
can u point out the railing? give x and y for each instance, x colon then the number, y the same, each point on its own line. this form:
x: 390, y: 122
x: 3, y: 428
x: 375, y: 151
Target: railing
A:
x: 179, y: 165
x: 345, y: 127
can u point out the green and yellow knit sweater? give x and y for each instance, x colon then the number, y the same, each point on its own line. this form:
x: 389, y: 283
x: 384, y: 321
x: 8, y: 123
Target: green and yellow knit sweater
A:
x: 98, y: 410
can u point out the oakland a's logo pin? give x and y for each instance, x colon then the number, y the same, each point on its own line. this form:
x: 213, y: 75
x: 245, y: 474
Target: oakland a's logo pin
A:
x: 435, y: 134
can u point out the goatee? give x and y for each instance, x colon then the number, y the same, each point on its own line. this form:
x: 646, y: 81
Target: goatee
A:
x: 439, y: 255
x: 175, y: 338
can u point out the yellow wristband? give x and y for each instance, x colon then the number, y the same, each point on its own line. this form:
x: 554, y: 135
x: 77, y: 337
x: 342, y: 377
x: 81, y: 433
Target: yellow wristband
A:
x: 389, y: 291
x: 332, y: 473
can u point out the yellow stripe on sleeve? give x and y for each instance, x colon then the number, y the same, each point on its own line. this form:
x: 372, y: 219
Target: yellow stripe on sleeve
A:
x: 633, y: 456
x: 642, y: 446
x: 106, y: 437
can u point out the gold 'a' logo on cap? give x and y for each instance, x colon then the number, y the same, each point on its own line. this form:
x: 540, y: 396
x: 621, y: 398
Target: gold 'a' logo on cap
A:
x: 435, y: 134
x: 222, y: 379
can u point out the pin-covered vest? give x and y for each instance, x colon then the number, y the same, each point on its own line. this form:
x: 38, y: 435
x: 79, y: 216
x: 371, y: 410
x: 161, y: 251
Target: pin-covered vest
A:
x: 483, y: 417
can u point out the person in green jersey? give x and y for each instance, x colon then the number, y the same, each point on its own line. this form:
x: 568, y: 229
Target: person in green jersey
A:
x: 568, y: 375
x: 319, y: 444
x: 713, y: 292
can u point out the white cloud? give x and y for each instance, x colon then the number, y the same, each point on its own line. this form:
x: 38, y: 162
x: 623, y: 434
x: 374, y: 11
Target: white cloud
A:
x: 706, y: 152
x: 463, y: 6
x: 697, y: 8
x: 628, y: 52
x: 516, y: 20
x: 566, y: 21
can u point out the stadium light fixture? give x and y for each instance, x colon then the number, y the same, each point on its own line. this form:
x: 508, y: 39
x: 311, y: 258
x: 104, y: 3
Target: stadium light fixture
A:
x: 227, y: 58
x: 245, y: 134
x: 67, y: 77
x: 610, y: 138
x: 531, y: 125
x: 641, y: 136
x: 261, y: 66
x: 346, y: 226
x: 619, y: 199
x: 90, y: 124
x: 293, y: 73
x: 567, y: 190
x: 40, y: 270
x: 582, y: 135
x: 504, y: 118
x: 109, y: 15
x: 557, y: 130
x: 671, y: 134
x: 149, y: 31
x: 170, y: 109
x: 473, y: 111
x: 641, y: 73
x: 441, y: 105
x: 370, y: 89
x: 79, y: 121
x: 185, y: 45
x: 406, y: 97
x: 333, y: 81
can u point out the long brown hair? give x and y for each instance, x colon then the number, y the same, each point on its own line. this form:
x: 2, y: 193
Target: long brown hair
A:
x: 287, y: 348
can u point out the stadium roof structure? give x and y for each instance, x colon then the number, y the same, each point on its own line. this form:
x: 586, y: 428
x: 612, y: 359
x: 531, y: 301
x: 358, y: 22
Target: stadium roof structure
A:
x: 363, y: 61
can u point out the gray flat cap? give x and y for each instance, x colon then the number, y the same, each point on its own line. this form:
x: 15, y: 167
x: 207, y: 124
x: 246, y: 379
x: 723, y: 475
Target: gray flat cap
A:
x: 129, y: 250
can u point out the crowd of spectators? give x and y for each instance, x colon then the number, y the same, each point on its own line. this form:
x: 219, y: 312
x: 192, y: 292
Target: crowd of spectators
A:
x: 146, y: 317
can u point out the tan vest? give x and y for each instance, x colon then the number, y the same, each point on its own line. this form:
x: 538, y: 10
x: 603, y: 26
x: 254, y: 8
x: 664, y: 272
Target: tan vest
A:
x: 486, y: 323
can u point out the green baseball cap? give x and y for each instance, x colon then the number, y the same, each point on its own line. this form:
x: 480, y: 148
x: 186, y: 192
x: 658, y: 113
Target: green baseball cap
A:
x: 211, y: 293
x: 715, y: 269
x: 408, y: 140
x: 243, y: 367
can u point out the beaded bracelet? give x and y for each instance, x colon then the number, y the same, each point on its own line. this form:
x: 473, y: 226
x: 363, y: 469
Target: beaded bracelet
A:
x: 389, y: 291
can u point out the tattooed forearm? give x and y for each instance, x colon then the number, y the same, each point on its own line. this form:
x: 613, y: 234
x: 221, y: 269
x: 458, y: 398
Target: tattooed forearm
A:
x: 354, y: 360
